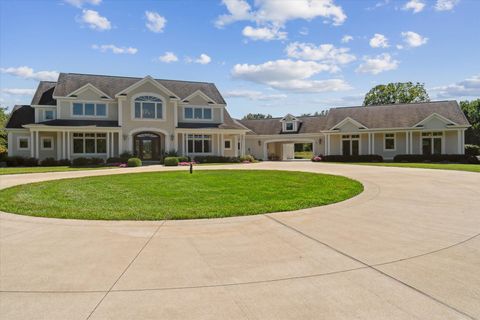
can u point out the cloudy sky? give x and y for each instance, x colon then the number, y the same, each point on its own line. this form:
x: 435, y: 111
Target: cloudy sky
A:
x: 268, y: 56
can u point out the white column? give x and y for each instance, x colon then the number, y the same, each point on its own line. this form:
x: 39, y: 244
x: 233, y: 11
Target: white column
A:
x: 120, y: 143
x: 64, y: 148
x: 68, y: 145
x: 373, y: 142
x: 183, y: 143
x: 407, y: 148
x: 443, y: 142
x: 459, y: 141
x: 108, y: 145
x: 32, y: 136
x: 120, y: 111
x: 175, y: 113
x: 236, y: 145
x: 218, y: 144
x: 243, y: 145
x: 222, y: 145
x: 410, y: 143
x: 175, y: 141
x: 37, y: 143
x: 463, y: 142
x: 369, y: 143
x: 328, y: 144
x: 58, y: 144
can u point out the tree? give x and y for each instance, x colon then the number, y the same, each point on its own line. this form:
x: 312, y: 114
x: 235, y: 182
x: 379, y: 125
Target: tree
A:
x: 256, y: 116
x: 471, y: 109
x: 3, y: 132
x: 316, y: 114
x: 398, y: 92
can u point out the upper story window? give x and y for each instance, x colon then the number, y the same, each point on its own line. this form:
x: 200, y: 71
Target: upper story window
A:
x: 289, y: 126
x: 199, y: 113
x: 89, y: 109
x: 148, y: 107
x: 48, y: 115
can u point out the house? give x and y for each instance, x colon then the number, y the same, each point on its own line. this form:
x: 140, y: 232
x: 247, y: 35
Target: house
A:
x: 83, y: 115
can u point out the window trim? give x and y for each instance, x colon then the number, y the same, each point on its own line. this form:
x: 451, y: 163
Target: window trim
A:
x: 231, y: 142
x: 21, y: 138
x: 132, y: 107
x: 83, y: 102
x: 42, y: 139
x: 349, y: 137
x: 83, y: 139
x: 294, y: 126
x: 193, y: 107
x: 203, y: 139
x: 385, y: 141
x: 45, y: 115
x: 439, y: 135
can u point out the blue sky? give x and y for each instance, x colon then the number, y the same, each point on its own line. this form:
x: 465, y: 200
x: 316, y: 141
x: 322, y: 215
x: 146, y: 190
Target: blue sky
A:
x: 268, y: 56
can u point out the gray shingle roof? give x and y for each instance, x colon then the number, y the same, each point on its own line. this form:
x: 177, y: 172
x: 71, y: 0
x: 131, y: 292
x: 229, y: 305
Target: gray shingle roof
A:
x: 20, y: 115
x: 111, y: 85
x: 387, y: 116
x: 44, y: 94
x: 80, y: 123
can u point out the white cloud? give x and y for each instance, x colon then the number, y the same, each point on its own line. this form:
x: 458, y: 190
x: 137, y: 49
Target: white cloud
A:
x: 168, y: 57
x: 114, y: 49
x: 264, y: 33
x: 18, y: 92
x: 379, y: 41
x: 155, y: 22
x: 254, y: 95
x: 379, y: 5
x: 469, y: 87
x: 28, y: 73
x: 413, y: 39
x: 347, y: 38
x: 81, y: 3
x: 445, y: 5
x: 202, y: 59
x: 95, y: 21
x: 415, y: 5
x: 290, y: 75
x: 324, y: 52
x: 378, y: 64
x: 238, y: 10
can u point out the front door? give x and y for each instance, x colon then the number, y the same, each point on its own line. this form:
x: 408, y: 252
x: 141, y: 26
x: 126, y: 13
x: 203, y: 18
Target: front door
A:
x: 147, y: 146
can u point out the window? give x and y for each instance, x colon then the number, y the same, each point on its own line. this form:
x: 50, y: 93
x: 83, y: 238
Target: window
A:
x: 350, y: 145
x: 48, y: 115
x: 148, y: 108
x: 228, y: 144
x: 89, y: 143
x: 198, y: 113
x: 289, y: 126
x: 47, y: 143
x: 389, y: 141
x: 432, y: 142
x: 198, y: 143
x: 23, y: 143
x: 89, y: 109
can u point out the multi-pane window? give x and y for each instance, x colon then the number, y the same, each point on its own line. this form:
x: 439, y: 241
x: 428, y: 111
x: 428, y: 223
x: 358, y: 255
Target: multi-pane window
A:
x: 199, y: 143
x: 432, y: 142
x: 47, y: 143
x: 148, y: 107
x: 389, y: 141
x: 23, y: 143
x: 89, y: 143
x: 350, y: 144
x: 48, y: 115
x: 89, y: 109
x: 198, y: 113
x: 228, y: 144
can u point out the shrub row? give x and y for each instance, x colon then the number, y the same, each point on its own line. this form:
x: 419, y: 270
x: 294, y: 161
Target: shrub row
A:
x: 51, y: 162
x: 456, y: 158
x: 82, y: 162
x: 472, y: 150
x: 352, y: 158
x: 216, y: 159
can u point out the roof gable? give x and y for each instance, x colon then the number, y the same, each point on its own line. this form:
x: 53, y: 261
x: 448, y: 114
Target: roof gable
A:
x: 435, y: 116
x: 147, y: 79
x: 350, y: 121
x: 91, y: 87
x: 199, y: 93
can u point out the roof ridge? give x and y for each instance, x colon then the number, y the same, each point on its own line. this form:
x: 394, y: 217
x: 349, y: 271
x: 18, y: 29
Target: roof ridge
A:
x: 129, y: 77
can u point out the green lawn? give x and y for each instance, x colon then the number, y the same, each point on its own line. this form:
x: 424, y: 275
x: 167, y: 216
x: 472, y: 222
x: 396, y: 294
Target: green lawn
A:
x: 444, y: 166
x: 19, y: 170
x: 177, y: 195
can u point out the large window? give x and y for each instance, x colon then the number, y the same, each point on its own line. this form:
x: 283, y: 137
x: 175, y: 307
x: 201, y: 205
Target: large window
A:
x: 23, y: 143
x: 351, y: 145
x: 89, y: 109
x: 432, y: 142
x: 389, y: 142
x: 198, y: 113
x: 148, y: 107
x: 89, y: 143
x: 199, y: 143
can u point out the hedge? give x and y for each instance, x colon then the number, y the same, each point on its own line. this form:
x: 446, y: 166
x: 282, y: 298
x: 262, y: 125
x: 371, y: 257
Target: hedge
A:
x: 171, y: 161
x: 472, y: 149
x: 82, y: 162
x: 353, y: 158
x: 456, y: 158
x: 216, y: 159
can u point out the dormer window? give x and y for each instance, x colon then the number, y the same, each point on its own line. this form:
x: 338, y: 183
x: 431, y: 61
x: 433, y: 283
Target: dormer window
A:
x: 289, y: 126
x: 289, y: 123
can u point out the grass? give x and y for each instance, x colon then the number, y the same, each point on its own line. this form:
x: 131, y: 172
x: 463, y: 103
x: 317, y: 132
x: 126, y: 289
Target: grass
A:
x: 177, y: 195
x: 443, y: 166
x: 20, y: 170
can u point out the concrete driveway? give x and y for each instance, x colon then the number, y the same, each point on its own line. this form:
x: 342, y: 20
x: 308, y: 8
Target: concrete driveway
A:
x: 408, y: 247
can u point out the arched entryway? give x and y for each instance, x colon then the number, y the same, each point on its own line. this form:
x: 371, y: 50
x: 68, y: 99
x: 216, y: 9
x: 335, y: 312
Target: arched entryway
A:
x: 147, y: 145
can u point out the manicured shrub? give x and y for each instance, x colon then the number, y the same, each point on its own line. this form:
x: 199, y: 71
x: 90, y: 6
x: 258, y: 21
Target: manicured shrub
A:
x: 64, y: 162
x: 96, y: 161
x: 114, y: 160
x: 247, y: 158
x: 49, y: 162
x: 30, y: 162
x: 125, y: 156
x: 15, y: 161
x: 455, y: 158
x: 134, y: 162
x: 472, y: 149
x: 171, y: 161
x: 216, y: 159
x: 80, y: 162
x: 183, y: 159
x: 353, y: 158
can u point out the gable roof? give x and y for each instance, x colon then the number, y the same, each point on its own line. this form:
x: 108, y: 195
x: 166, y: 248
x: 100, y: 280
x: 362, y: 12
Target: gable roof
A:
x: 44, y: 94
x: 312, y: 124
x: 20, y: 116
x: 111, y: 85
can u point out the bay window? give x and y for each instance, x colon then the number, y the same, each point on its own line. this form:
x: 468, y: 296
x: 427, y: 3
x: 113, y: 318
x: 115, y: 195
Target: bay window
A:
x: 199, y: 143
x: 89, y: 143
x: 148, y: 108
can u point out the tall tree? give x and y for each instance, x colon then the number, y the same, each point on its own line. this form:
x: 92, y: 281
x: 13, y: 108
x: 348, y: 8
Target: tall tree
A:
x: 256, y: 116
x: 316, y: 114
x: 472, y: 112
x: 398, y: 92
x: 3, y: 132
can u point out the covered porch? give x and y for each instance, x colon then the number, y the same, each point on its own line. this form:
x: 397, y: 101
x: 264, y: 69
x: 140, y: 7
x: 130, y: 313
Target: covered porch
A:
x: 205, y: 142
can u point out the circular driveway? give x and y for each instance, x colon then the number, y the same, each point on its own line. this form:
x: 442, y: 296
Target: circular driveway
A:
x: 408, y: 247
